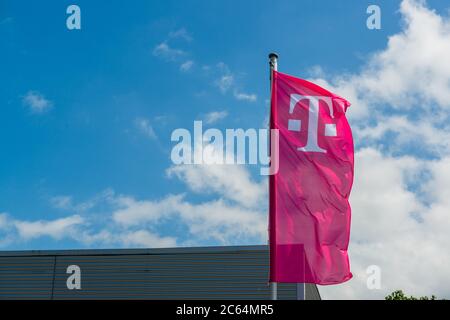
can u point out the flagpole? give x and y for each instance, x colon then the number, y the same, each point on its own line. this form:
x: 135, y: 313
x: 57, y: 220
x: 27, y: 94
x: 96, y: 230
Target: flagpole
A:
x: 273, y: 63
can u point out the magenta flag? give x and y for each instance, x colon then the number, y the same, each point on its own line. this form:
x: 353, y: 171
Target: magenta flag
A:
x: 309, y: 223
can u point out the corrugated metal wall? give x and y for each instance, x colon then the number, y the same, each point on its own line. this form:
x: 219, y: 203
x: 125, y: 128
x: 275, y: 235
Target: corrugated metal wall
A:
x: 178, y: 273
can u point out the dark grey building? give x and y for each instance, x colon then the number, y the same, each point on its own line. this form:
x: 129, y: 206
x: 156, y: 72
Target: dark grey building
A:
x: 178, y: 273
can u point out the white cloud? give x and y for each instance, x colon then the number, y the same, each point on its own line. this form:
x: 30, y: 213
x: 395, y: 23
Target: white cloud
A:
x: 231, y: 181
x: 224, y: 222
x: 55, y: 228
x: 224, y: 77
x: 186, y: 66
x: 64, y: 202
x: 422, y: 134
x: 221, y: 75
x: 216, y: 220
x: 245, y: 96
x: 213, y: 117
x: 61, y: 202
x: 3, y: 220
x: 164, y: 51
x: 6, y: 236
x: 103, y: 237
x: 225, y: 82
x: 144, y: 238
x: 37, y: 102
x: 124, y: 238
x: 180, y: 34
x: 132, y: 212
x: 145, y: 127
x: 411, y: 72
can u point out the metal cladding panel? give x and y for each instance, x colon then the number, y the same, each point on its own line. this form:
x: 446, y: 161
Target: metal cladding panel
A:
x: 26, y: 277
x: 181, y: 273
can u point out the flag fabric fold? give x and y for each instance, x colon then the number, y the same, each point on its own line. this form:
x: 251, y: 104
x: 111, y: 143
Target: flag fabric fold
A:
x: 309, y: 220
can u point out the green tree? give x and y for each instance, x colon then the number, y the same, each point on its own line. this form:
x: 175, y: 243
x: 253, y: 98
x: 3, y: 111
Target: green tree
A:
x: 400, y: 295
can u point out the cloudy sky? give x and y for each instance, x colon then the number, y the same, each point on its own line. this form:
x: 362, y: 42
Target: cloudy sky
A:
x: 86, y: 119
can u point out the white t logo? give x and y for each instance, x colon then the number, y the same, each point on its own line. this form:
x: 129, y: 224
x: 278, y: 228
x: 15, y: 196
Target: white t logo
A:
x: 313, y: 121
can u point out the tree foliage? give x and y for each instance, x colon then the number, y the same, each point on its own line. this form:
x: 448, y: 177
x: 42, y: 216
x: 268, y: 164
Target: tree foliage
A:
x: 400, y: 295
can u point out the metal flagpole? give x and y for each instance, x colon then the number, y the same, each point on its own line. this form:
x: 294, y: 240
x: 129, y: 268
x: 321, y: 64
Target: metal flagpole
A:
x: 300, y: 291
x: 273, y: 63
x: 301, y: 286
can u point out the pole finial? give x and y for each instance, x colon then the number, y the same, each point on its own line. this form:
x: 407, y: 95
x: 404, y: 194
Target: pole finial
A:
x: 273, y: 62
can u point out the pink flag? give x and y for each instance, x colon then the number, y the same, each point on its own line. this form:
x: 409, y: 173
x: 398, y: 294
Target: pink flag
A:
x: 309, y: 209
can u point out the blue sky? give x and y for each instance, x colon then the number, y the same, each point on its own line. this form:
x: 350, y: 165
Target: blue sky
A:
x: 86, y: 115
